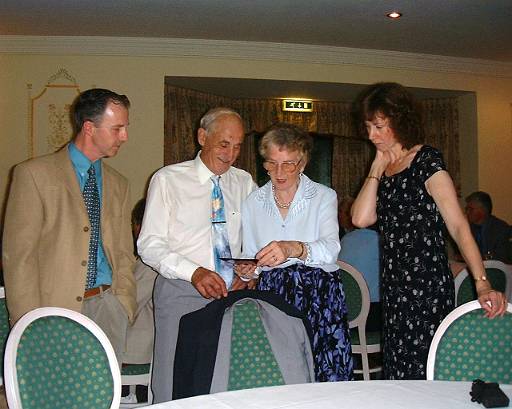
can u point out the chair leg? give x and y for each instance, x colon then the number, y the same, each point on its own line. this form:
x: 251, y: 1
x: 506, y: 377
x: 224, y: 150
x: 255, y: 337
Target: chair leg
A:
x: 365, y: 365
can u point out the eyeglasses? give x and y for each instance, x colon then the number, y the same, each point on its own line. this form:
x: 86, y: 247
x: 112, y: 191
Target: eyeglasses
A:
x: 287, y: 167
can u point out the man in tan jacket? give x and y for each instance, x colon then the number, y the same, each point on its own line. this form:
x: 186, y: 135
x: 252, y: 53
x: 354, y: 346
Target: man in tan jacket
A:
x: 54, y: 254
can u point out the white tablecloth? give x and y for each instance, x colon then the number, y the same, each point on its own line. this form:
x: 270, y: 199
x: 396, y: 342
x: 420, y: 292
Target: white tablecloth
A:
x: 341, y: 395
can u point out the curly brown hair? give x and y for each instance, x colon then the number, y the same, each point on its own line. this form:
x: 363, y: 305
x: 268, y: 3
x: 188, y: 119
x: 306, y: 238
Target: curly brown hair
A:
x: 394, y: 102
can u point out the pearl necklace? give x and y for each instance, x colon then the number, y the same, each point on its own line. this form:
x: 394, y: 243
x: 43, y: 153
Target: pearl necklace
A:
x: 278, y: 203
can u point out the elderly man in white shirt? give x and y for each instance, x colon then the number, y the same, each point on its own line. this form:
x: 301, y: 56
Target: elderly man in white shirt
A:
x: 178, y: 236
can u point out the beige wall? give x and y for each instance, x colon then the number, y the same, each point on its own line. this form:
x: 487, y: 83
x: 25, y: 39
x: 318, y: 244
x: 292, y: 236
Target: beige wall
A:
x: 142, y: 79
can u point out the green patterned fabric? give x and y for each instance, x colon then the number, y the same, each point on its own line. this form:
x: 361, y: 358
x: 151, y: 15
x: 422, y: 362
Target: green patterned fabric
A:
x: 353, y: 295
x: 474, y: 347
x: 135, y: 369
x: 4, y: 329
x: 467, y: 289
x: 62, y: 365
x: 252, y: 362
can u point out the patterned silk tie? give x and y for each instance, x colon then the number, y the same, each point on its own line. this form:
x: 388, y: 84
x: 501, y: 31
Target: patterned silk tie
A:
x: 92, y: 204
x: 220, y: 234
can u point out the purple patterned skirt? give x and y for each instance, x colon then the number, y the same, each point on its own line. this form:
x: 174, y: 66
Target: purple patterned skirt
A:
x: 319, y: 295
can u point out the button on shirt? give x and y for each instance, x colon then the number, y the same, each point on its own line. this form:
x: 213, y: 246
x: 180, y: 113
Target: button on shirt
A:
x: 176, y: 233
x: 81, y: 165
x: 312, y: 218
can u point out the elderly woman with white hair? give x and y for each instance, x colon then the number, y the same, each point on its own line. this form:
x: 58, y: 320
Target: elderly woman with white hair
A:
x: 290, y: 226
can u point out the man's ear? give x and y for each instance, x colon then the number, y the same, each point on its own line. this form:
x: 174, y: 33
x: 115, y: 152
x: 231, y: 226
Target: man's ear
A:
x: 201, y: 136
x: 87, y: 127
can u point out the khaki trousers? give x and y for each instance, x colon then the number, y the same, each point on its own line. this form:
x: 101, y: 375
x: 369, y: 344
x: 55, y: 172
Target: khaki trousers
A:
x: 106, y: 311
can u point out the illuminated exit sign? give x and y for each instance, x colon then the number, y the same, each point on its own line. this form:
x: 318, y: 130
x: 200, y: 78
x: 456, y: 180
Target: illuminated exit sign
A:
x: 298, y: 105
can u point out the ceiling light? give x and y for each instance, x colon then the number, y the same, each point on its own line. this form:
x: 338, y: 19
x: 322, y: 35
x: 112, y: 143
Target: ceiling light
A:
x: 394, y: 14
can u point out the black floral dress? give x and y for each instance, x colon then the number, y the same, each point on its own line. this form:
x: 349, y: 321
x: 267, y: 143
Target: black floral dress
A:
x: 417, y: 284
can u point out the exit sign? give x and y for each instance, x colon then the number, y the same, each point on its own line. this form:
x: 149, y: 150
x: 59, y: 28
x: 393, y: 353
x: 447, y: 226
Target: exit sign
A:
x: 298, y: 105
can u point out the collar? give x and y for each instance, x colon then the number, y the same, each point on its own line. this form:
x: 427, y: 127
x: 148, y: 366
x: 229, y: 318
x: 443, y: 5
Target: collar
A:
x: 306, y: 190
x: 203, y: 173
x: 82, y: 162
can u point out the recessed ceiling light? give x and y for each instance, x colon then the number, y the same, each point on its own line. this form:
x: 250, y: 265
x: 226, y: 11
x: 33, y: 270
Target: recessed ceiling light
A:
x: 394, y: 14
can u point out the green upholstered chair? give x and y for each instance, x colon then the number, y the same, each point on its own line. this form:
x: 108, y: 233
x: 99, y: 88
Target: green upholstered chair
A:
x: 252, y: 362
x: 4, y: 328
x: 357, y: 297
x: 56, y: 358
x: 467, y: 346
x: 499, y: 275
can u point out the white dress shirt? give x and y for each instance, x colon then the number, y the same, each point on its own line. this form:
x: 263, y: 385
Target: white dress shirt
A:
x: 312, y: 218
x: 176, y: 234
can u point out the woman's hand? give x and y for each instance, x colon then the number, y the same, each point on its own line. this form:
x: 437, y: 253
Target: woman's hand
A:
x: 493, y: 302
x: 277, y: 252
x: 381, y: 161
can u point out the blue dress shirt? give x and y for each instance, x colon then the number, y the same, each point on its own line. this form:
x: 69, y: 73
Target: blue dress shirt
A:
x: 81, y: 164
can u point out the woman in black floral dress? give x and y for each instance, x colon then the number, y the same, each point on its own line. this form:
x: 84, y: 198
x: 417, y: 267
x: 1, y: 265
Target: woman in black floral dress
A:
x: 410, y: 194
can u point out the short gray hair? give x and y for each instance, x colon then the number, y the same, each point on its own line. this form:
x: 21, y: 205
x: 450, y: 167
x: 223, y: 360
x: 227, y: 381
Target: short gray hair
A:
x: 287, y: 136
x: 208, y: 120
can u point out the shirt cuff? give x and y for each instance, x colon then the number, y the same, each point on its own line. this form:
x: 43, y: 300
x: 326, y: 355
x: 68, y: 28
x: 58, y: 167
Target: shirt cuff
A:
x: 183, y: 271
x: 186, y: 269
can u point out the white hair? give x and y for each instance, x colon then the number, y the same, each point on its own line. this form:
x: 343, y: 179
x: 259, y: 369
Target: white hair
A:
x: 208, y: 119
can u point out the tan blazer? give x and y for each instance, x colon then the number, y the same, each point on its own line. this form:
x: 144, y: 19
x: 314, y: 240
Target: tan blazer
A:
x: 46, y: 236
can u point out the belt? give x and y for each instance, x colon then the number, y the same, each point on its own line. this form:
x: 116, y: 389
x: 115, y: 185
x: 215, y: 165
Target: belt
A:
x: 91, y: 292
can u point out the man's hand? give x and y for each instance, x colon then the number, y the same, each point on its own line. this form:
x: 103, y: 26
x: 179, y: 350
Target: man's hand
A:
x: 209, y: 284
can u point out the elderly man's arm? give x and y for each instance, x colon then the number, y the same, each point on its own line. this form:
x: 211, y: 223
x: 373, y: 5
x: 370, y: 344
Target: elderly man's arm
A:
x: 155, y: 250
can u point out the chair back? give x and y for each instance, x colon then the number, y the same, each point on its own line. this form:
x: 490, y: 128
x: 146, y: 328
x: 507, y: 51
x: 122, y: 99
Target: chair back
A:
x: 467, y: 345
x: 4, y: 329
x: 496, y: 273
x: 357, y: 295
x: 56, y: 358
x: 252, y: 362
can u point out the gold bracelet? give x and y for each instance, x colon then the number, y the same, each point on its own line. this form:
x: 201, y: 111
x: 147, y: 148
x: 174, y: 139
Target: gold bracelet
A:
x: 481, y: 278
x: 373, y: 177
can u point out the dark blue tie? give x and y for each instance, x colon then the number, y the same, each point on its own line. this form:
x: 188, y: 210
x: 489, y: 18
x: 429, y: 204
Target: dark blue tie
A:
x: 92, y: 204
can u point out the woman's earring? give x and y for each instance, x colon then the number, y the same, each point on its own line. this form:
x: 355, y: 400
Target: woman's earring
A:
x: 268, y: 173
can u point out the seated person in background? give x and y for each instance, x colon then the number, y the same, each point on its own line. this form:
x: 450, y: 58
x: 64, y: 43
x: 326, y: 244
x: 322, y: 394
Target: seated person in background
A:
x: 492, y: 235
x: 140, y: 335
x: 289, y: 225
x: 139, y: 338
x: 360, y: 249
